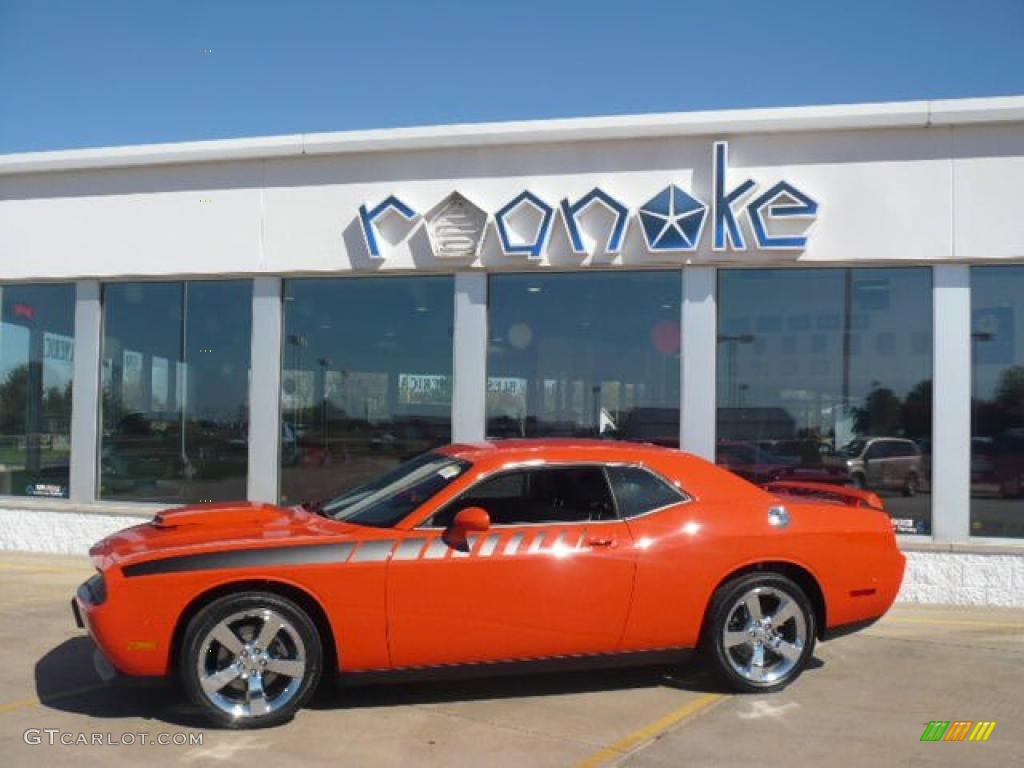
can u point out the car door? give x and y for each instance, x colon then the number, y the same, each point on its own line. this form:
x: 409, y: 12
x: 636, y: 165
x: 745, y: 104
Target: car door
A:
x: 552, y: 576
x: 876, y: 464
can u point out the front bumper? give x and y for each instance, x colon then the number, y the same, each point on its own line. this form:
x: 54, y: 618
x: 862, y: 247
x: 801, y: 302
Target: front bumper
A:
x: 126, y: 640
x: 77, y: 613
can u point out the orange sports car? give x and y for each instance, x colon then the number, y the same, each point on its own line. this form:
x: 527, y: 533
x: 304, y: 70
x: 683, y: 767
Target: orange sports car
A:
x: 482, y: 558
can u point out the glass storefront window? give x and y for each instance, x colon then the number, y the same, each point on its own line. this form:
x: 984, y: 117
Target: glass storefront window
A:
x: 175, y: 375
x: 37, y: 344
x: 997, y: 403
x: 593, y: 355
x: 826, y: 374
x: 366, y: 380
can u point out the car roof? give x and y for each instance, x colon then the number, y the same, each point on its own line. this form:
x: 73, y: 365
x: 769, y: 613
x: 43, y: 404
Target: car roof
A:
x: 531, y: 447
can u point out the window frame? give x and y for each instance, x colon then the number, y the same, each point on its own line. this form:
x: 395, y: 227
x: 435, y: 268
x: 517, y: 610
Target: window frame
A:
x: 687, y: 498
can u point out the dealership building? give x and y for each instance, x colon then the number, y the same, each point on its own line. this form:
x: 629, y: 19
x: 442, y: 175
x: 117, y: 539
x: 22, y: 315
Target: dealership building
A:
x: 818, y: 293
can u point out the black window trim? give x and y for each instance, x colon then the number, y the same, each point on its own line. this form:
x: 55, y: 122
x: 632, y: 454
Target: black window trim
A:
x: 685, y: 498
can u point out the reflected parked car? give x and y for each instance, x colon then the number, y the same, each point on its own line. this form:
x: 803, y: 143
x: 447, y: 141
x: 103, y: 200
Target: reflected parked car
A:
x: 882, y: 463
x: 750, y: 462
x: 1008, y: 461
x: 759, y: 465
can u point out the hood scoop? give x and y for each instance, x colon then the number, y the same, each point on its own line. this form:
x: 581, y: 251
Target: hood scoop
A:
x: 217, y: 515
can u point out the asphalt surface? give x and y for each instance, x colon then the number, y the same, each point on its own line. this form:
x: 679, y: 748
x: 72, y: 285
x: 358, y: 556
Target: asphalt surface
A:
x: 866, y: 701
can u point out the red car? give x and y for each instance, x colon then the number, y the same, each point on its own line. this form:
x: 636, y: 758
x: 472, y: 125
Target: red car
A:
x: 480, y: 557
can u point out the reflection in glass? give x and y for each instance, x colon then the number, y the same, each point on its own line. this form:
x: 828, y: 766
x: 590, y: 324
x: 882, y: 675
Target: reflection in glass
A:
x: 175, y: 391
x: 590, y: 355
x: 997, y: 405
x: 37, y: 344
x: 825, y: 374
x: 366, y: 381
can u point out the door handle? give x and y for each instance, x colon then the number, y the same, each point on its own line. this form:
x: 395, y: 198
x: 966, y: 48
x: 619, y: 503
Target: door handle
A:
x: 599, y: 541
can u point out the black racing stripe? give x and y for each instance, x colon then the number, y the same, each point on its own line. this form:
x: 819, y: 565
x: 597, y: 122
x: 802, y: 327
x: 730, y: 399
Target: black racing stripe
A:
x: 245, y: 558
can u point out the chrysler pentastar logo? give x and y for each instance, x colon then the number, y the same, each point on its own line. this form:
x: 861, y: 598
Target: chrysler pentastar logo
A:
x: 673, y: 220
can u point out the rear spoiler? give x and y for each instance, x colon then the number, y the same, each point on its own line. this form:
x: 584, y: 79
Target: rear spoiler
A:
x: 852, y: 497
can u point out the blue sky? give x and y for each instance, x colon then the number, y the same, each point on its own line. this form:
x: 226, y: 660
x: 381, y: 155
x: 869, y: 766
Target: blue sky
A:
x: 76, y: 74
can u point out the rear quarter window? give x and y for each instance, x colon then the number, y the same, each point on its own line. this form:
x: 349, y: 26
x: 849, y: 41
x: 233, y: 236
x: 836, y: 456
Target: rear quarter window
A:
x: 638, y: 491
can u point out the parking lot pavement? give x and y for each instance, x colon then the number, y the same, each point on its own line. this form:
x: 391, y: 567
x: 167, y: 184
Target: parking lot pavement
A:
x: 866, y: 700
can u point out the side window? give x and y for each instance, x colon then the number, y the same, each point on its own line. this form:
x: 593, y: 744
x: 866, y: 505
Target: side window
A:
x: 877, y: 450
x: 543, y: 495
x: 637, y: 491
x: 572, y: 494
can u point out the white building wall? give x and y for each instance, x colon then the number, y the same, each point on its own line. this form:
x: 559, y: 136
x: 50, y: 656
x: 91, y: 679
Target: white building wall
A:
x: 886, y: 195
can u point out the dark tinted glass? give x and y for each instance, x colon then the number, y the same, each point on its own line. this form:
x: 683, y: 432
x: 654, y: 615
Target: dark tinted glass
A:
x: 175, y: 391
x: 584, y: 355
x: 393, y: 496
x: 813, y: 361
x: 997, y: 419
x: 567, y: 494
x: 37, y: 342
x: 637, y: 491
x: 366, y: 380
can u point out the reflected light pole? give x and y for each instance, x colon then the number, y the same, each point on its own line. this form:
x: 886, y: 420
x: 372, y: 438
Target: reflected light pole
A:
x: 732, y: 340
x: 976, y: 336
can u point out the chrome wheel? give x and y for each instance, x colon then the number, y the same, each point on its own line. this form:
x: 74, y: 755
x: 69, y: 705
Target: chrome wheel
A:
x: 251, y: 663
x: 764, y: 635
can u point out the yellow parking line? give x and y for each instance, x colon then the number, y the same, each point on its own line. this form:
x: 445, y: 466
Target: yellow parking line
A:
x: 35, y: 701
x: 648, y: 732
x: 42, y: 569
x: 957, y: 623
x: 13, y: 706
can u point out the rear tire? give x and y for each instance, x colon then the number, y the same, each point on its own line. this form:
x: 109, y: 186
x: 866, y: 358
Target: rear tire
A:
x: 760, y: 632
x: 250, y: 660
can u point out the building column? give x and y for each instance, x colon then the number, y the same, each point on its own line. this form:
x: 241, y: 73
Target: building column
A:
x: 697, y: 380
x: 951, y: 403
x: 85, y: 393
x: 265, y: 390
x: 469, y: 347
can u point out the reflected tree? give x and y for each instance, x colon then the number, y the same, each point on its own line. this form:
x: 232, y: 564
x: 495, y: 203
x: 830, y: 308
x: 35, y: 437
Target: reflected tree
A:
x: 880, y: 414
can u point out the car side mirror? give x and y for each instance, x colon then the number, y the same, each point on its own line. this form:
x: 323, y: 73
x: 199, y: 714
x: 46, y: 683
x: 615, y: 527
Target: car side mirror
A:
x: 466, y: 521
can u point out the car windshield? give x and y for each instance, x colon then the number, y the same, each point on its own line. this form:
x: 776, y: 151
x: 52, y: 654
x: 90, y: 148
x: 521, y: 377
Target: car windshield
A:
x: 852, y: 449
x: 387, y: 500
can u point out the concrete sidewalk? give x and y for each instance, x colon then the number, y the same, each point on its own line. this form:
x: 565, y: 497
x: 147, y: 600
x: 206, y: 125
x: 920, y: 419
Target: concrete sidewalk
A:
x: 866, y: 700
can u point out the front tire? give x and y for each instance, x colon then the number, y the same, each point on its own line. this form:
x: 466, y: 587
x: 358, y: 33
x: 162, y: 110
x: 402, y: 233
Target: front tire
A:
x: 250, y: 660
x: 760, y: 632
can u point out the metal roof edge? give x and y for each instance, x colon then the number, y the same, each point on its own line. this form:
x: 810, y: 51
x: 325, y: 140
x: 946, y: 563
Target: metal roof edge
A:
x: 908, y: 114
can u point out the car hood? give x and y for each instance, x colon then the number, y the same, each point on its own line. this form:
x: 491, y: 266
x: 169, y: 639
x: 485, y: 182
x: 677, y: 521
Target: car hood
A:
x: 211, y: 527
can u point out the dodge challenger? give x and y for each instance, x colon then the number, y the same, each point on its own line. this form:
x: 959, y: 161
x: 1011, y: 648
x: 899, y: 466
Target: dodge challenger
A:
x: 485, y: 558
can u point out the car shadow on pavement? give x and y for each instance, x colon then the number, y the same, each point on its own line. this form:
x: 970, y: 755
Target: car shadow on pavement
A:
x: 66, y: 680
x: 691, y: 677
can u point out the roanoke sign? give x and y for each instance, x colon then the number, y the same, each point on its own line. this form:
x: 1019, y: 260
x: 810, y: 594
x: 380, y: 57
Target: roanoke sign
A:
x: 672, y: 220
